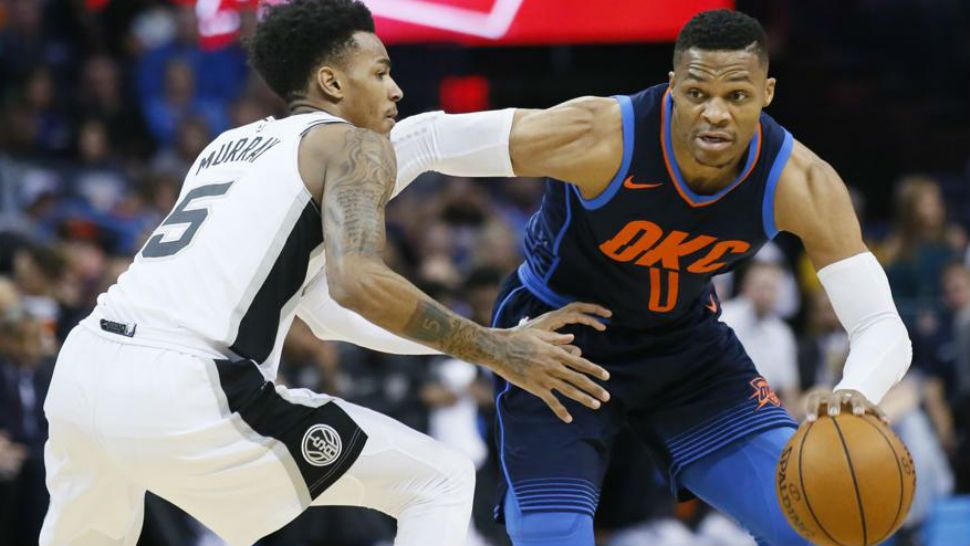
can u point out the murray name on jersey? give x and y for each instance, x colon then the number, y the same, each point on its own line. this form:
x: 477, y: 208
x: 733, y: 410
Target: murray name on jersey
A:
x: 242, y: 149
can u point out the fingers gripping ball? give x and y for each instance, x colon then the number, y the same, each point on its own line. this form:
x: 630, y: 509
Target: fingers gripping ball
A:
x: 845, y: 481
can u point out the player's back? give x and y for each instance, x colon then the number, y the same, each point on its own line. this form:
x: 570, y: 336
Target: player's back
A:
x: 223, y: 271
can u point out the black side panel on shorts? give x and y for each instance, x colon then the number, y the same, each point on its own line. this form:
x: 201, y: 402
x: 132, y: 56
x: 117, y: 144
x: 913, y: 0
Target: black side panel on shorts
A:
x: 257, y: 330
x: 323, y: 441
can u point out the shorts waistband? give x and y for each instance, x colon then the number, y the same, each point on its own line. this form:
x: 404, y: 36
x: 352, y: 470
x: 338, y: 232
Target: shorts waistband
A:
x: 150, y: 336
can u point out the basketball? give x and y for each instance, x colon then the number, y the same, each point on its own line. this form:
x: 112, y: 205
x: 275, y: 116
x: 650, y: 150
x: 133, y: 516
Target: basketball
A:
x: 845, y: 481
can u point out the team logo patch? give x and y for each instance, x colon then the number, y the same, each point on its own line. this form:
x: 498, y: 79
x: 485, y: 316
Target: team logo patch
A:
x: 763, y: 393
x: 321, y: 445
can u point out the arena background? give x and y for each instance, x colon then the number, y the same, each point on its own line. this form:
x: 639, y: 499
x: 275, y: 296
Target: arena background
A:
x: 105, y: 103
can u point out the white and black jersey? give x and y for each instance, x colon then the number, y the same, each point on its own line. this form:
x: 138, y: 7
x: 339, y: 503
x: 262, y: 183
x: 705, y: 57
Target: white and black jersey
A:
x: 223, y: 272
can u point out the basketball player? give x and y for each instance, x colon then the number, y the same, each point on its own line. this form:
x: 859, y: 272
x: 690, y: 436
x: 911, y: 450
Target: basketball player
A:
x: 167, y: 385
x: 649, y: 195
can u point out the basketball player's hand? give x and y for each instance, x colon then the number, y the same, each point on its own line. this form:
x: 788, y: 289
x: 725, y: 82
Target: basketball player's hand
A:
x: 574, y: 313
x: 833, y: 402
x: 541, y: 362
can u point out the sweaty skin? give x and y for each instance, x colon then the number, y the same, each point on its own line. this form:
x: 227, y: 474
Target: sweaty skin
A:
x: 718, y: 98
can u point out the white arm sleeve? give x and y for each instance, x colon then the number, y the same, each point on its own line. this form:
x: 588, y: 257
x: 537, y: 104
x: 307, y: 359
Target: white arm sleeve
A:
x: 329, y: 321
x: 879, y: 348
x: 474, y: 144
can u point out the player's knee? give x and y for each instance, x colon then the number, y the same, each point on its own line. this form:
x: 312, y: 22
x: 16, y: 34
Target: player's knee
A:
x: 457, y: 476
x: 550, y: 529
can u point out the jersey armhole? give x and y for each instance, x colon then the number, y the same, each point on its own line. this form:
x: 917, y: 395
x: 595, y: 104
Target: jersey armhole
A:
x: 628, y: 123
x: 768, y: 204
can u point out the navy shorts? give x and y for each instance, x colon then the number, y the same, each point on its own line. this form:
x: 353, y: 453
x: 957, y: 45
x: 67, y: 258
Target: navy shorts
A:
x: 685, y: 392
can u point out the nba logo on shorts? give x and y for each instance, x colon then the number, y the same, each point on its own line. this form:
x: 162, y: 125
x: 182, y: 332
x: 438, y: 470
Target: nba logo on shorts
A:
x: 321, y: 445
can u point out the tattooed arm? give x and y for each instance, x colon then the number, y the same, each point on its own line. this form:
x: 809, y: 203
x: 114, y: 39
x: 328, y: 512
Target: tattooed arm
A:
x: 358, y: 175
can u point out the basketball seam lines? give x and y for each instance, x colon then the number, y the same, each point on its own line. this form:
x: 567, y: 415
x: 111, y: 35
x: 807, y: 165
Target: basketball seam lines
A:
x: 855, y: 484
x: 899, y: 507
x: 801, y: 479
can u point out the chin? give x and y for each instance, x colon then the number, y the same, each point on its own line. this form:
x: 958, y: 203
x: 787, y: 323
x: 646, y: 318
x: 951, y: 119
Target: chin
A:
x: 383, y: 126
x: 716, y: 161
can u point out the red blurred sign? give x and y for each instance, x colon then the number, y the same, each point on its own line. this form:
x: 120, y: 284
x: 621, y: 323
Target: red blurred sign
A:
x: 485, y: 22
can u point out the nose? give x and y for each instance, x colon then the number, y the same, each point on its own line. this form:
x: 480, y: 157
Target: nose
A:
x: 396, y: 92
x: 716, y: 113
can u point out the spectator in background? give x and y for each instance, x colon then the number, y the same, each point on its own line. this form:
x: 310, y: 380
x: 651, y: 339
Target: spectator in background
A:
x: 25, y: 374
x: 920, y: 245
x: 98, y: 180
x: 956, y: 291
x: 768, y: 340
x: 179, y: 101
x: 38, y: 272
x: 192, y: 136
x: 25, y: 43
x: 49, y: 125
x: 101, y: 97
x: 220, y: 71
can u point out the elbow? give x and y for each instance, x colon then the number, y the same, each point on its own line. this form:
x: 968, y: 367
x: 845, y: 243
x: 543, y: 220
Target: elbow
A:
x: 346, y: 288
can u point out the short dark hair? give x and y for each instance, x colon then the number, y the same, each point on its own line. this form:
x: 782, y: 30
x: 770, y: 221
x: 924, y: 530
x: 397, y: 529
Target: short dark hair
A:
x: 722, y: 29
x: 297, y: 36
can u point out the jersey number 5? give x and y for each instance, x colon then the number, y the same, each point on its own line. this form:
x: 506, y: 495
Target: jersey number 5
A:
x: 157, y: 248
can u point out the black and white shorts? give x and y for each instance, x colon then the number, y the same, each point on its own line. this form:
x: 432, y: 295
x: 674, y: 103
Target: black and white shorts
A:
x: 238, y: 453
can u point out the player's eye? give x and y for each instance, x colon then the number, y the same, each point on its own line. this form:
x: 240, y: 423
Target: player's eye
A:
x: 695, y: 94
x: 739, y: 96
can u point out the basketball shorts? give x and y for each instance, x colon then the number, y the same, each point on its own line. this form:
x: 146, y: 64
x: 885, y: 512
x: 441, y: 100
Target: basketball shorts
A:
x: 685, y: 393
x: 240, y: 454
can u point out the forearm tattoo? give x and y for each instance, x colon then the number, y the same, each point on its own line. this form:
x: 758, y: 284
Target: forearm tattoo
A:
x: 356, y: 191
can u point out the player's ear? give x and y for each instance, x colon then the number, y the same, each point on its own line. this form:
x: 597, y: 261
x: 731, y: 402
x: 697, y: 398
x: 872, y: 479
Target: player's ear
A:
x: 328, y: 78
x: 769, y: 91
x: 670, y: 78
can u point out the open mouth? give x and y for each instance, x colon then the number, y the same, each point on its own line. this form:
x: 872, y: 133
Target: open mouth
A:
x: 713, y: 141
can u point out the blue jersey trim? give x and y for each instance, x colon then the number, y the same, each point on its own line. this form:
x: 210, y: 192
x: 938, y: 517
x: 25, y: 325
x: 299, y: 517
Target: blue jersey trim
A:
x: 768, y: 206
x: 753, y: 148
x: 540, y: 289
x: 629, y: 124
x: 498, y: 399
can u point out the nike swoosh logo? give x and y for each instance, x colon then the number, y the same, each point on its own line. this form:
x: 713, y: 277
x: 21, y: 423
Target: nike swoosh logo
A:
x: 713, y: 305
x: 629, y: 183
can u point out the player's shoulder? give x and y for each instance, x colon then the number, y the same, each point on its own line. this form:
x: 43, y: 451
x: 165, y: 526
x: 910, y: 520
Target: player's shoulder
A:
x: 808, y: 173
x: 325, y: 142
x: 810, y: 191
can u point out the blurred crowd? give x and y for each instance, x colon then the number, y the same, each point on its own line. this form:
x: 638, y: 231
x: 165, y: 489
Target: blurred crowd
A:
x: 104, y: 110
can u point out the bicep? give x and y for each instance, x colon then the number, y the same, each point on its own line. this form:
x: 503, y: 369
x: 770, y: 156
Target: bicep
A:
x: 575, y: 141
x: 358, y: 182
x: 813, y: 203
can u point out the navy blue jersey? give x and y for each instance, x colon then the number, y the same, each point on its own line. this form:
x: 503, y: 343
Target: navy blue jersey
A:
x: 647, y: 246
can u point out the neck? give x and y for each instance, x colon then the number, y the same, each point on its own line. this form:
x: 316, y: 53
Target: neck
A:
x: 303, y: 105
x: 703, y: 179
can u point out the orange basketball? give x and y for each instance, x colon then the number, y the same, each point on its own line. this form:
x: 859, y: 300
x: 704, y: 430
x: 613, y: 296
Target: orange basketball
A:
x: 845, y: 481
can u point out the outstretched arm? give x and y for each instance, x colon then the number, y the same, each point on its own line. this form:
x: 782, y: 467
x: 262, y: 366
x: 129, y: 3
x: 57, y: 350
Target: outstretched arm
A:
x: 813, y: 203
x: 579, y: 141
x: 358, y: 173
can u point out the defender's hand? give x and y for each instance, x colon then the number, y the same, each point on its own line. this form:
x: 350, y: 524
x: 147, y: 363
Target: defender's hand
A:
x: 574, y: 313
x: 833, y: 402
x: 539, y: 362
